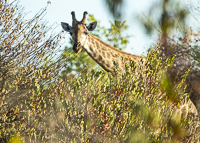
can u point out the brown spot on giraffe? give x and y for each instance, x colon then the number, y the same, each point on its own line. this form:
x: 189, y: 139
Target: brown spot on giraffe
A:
x: 115, y: 55
x: 100, y: 52
x: 104, y: 54
x: 104, y: 48
x: 108, y: 63
x: 108, y: 55
x: 98, y: 44
x: 91, y: 49
x: 100, y: 58
x: 94, y: 55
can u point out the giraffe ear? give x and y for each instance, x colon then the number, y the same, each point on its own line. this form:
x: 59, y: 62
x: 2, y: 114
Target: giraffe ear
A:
x: 92, y: 26
x: 66, y: 26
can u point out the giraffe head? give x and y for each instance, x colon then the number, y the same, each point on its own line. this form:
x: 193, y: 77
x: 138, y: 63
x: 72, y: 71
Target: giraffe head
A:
x: 78, y: 31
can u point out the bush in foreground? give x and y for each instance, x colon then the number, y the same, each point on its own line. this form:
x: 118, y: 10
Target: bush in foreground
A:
x: 37, y: 106
x: 133, y: 107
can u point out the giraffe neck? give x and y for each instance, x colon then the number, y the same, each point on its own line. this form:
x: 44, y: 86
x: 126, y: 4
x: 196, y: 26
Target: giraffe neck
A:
x: 105, y: 55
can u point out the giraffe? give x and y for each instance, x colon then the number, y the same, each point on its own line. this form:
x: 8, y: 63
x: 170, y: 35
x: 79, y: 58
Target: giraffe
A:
x: 105, y: 54
x: 99, y: 51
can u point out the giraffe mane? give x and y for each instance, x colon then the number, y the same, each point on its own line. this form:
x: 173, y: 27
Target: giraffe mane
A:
x: 107, y: 45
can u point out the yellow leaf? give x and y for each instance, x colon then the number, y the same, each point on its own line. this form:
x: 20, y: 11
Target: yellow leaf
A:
x: 20, y: 126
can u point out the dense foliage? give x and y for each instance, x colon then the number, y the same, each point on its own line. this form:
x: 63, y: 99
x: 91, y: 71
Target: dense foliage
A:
x: 36, y: 105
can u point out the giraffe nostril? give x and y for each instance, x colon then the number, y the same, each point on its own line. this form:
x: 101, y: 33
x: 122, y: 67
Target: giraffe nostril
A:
x: 78, y: 44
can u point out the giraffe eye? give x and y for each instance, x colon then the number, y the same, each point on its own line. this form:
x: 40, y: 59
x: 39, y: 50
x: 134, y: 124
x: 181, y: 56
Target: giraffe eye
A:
x: 70, y: 33
x: 85, y: 32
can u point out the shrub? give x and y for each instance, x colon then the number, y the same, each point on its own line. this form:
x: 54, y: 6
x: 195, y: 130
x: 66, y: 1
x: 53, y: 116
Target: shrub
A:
x: 127, y: 108
x: 26, y: 66
x: 38, y: 106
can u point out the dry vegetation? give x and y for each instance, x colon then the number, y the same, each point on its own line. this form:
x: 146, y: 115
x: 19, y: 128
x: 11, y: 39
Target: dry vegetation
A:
x: 38, y: 106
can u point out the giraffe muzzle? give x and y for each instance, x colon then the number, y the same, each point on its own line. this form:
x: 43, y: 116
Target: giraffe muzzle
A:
x: 77, y: 47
